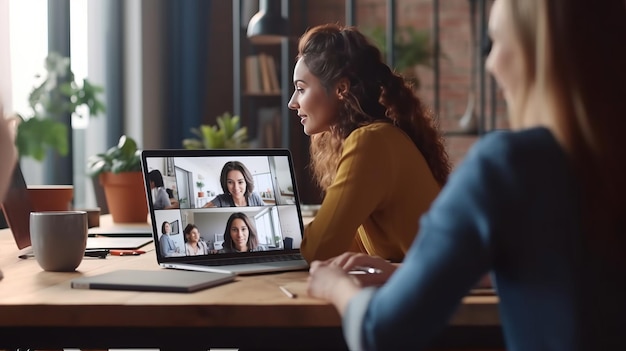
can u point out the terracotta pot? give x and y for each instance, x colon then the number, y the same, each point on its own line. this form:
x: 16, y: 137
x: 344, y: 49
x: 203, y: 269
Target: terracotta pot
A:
x: 126, y: 196
x: 51, y: 197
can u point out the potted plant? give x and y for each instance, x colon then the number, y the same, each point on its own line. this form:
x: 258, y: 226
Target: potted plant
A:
x: 227, y: 134
x: 119, y: 172
x: 200, y: 185
x: 56, y: 95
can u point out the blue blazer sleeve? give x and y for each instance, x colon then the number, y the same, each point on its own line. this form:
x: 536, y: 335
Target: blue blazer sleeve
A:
x: 451, y: 253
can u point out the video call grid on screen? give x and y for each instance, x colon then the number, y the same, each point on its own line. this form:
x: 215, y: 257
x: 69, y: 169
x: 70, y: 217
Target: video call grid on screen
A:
x: 277, y: 222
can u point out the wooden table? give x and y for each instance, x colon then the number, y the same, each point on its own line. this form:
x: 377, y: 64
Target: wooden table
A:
x: 39, y: 309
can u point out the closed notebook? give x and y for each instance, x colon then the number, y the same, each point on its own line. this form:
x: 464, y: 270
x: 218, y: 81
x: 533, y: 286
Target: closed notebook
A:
x: 115, y: 243
x: 161, y: 280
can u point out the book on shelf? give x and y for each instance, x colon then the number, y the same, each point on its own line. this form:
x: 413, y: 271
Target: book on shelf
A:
x: 253, y: 77
x: 265, y: 73
x: 261, y: 75
x: 275, y: 85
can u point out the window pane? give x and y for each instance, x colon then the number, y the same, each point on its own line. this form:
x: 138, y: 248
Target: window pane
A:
x: 29, y: 46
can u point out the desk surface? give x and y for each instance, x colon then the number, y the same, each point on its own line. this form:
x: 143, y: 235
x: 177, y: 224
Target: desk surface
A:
x: 32, y: 300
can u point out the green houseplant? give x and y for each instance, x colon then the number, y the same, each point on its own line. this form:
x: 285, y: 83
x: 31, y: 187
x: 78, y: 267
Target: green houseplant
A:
x: 200, y: 185
x: 119, y: 172
x: 56, y: 95
x: 123, y: 157
x: 412, y: 48
x: 227, y: 134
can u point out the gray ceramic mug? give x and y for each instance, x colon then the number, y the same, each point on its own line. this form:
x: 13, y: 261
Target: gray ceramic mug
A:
x: 58, y: 239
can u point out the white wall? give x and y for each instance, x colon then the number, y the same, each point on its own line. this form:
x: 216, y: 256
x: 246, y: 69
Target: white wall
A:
x: 143, y: 68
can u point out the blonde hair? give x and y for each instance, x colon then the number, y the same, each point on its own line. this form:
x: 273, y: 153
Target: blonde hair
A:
x: 575, y: 63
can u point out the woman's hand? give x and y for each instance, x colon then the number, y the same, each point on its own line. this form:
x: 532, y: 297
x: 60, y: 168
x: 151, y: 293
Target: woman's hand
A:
x: 353, y: 261
x: 331, y: 283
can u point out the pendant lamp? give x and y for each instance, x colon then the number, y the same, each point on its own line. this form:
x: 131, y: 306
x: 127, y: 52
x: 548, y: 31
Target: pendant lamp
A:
x: 267, y: 26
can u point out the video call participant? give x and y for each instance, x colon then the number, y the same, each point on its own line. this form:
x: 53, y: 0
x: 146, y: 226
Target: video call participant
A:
x: 161, y: 199
x: 238, y: 186
x: 193, y: 244
x: 240, y: 235
x: 167, y: 244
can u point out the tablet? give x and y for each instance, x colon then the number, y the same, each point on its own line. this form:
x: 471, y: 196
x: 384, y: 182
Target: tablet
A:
x: 123, y: 230
x: 117, y: 243
x: 162, y: 280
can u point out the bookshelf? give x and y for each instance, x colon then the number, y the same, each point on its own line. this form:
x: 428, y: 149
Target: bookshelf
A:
x: 260, y: 75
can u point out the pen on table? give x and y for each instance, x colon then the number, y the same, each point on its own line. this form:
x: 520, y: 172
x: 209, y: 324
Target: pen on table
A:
x: 100, y: 253
x: 287, y: 292
x: 364, y: 270
x: 127, y: 252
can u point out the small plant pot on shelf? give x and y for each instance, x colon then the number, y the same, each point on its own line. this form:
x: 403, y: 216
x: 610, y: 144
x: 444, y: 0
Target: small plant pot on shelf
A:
x: 125, y: 195
x: 51, y: 197
x: 200, y: 193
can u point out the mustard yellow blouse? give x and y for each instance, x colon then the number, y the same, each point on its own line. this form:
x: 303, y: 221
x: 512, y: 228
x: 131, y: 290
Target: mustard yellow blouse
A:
x: 383, y: 186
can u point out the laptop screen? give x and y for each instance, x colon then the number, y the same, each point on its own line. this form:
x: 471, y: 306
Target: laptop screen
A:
x: 17, y: 207
x: 222, y: 203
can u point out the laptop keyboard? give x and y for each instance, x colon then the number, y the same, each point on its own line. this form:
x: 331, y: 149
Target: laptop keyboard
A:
x: 247, y: 260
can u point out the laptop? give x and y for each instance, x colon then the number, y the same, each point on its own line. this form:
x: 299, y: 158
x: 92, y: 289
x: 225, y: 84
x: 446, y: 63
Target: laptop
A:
x: 17, y: 207
x: 272, y: 219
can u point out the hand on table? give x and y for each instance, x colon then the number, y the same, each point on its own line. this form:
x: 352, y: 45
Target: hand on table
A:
x: 331, y: 279
x: 350, y: 261
x: 331, y: 283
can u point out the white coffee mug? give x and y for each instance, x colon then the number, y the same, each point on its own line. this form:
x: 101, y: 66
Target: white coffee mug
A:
x: 58, y: 239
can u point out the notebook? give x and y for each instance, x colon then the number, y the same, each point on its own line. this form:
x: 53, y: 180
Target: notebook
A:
x: 123, y: 230
x: 162, y: 280
x: 117, y: 243
x: 270, y: 228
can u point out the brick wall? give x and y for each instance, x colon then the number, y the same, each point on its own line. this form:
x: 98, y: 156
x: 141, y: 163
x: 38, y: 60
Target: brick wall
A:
x: 455, y: 65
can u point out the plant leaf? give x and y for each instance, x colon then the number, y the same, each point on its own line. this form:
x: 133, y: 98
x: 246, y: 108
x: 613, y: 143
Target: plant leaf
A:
x: 56, y: 95
x: 226, y: 134
x: 35, y: 135
x: 124, y: 157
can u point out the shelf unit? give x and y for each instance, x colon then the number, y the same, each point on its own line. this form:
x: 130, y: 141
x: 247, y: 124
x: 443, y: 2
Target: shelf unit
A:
x: 264, y: 112
x: 247, y: 105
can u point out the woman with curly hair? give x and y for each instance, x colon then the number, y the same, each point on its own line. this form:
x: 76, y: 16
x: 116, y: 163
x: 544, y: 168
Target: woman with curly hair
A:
x: 375, y: 151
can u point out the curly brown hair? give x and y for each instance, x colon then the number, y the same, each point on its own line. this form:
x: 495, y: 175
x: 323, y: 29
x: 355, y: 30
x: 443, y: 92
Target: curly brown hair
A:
x: 376, y: 94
